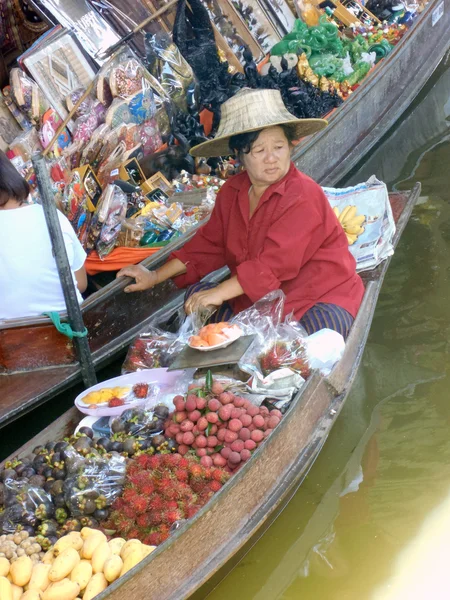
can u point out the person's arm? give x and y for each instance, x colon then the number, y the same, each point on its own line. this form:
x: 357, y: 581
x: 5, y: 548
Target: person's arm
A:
x: 81, y: 279
x: 216, y: 296
x: 205, y: 252
x: 201, y: 255
x: 146, y: 279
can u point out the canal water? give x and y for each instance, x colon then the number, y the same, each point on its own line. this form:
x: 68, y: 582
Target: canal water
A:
x: 372, y: 518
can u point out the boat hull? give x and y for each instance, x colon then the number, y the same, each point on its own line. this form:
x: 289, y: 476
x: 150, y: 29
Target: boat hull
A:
x: 203, y: 547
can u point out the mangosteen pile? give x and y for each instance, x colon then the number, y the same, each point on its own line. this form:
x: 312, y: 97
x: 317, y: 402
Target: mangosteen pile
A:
x: 138, y: 430
x: 91, y: 489
x: 66, y: 485
x: 38, y: 492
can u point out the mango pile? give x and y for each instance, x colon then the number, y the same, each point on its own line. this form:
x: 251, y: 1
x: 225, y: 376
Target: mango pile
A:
x: 80, y: 565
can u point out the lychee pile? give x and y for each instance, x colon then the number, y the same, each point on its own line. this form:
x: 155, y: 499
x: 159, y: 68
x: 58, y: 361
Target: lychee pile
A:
x: 222, y: 428
x: 159, y: 491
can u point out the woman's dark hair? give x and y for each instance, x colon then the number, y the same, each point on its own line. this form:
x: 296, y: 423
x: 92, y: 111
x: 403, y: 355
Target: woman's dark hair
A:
x: 243, y: 142
x: 12, y: 185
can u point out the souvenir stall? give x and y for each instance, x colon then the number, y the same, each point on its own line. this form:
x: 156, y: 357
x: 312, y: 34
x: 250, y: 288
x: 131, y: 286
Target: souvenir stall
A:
x: 117, y: 129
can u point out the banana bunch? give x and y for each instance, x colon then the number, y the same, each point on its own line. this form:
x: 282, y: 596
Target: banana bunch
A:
x: 351, y: 223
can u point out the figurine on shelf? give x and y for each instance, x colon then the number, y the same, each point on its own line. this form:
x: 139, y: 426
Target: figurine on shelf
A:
x: 202, y: 167
x: 305, y: 72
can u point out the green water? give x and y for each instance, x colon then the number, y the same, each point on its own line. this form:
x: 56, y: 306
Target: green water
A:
x: 371, y: 519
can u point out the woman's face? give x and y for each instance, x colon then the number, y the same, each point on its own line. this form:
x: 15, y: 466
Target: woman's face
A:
x: 269, y: 158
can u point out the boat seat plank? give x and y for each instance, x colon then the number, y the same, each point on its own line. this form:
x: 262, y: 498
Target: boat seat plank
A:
x: 22, y: 391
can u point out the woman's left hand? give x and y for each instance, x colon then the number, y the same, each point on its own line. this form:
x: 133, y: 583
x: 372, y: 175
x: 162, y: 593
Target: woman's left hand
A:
x: 203, y: 299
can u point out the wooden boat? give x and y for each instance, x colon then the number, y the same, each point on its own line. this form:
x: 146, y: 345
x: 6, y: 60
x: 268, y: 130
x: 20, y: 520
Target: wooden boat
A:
x: 198, y: 554
x: 36, y: 362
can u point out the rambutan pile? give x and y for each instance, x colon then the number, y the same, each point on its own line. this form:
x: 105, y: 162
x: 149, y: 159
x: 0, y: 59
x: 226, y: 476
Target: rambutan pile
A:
x: 159, y: 491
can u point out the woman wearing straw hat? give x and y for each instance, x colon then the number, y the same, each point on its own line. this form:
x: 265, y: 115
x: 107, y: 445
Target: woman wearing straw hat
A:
x: 271, y: 225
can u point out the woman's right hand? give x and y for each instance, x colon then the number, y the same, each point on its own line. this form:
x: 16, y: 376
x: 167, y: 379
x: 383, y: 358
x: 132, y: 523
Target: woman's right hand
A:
x: 145, y: 279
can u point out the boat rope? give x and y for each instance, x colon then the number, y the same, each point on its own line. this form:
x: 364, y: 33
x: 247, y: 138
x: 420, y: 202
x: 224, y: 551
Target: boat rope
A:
x: 65, y: 328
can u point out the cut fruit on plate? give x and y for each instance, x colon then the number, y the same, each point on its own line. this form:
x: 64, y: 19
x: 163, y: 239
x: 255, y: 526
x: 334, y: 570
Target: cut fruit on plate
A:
x: 215, y: 336
x: 141, y: 387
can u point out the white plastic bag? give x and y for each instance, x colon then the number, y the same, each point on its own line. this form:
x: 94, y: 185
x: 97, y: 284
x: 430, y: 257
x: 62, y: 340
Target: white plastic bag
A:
x: 372, y: 200
x: 324, y: 348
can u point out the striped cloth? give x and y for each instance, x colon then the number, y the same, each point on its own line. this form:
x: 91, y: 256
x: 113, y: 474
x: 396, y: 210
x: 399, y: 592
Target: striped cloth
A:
x: 327, y: 316
x: 320, y: 316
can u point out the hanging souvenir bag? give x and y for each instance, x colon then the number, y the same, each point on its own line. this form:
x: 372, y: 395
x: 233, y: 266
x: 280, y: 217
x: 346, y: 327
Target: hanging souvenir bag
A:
x: 85, y: 106
x: 200, y: 51
x: 50, y: 124
x: 115, y: 216
x: 138, y: 95
x: 28, y: 96
x: 94, y: 146
x: 109, y: 170
x: 166, y: 63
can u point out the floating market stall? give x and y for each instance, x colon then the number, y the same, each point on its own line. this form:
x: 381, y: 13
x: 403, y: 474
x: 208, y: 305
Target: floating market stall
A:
x: 116, y: 197
x: 157, y: 493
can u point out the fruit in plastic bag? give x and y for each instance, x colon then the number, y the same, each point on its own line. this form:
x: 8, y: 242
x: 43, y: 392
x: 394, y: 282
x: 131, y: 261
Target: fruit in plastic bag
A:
x: 151, y: 350
x: 285, y: 354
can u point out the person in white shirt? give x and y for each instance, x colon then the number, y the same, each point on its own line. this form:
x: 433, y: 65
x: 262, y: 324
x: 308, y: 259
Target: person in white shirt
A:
x: 29, y: 280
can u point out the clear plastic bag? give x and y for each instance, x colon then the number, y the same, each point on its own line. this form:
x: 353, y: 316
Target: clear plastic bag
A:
x: 49, y: 126
x: 93, y: 148
x: 131, y: 233
x: 73, y: 154
x: 24, y: 505
x: 109, y: 169
x: 15, y: 111
x: 85, y: 107
x: 278, y: 345
x: 137, y: 108
x: 143, y: 423
x: 59, y: 172
x: 75, y: 202
x: 28, y: 96
x: 127, y: 78
x: 263, y: 317
x: 166, y: 63
x: 95, y: 485
x: 286, y: 350
x: 153, y: 349
x: 84, y: 127
x: 25, y: 145
x: 109, y: 141
x: 150, y: 136
x: 115, y: 209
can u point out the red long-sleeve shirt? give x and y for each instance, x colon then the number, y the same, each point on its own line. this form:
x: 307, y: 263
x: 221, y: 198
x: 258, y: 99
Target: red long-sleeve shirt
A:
x: 293, y: 241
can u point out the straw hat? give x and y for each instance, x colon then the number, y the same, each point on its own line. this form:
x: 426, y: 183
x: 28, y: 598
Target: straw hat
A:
x: 250, y: 110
